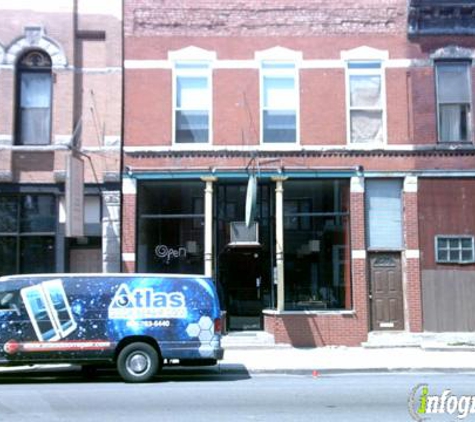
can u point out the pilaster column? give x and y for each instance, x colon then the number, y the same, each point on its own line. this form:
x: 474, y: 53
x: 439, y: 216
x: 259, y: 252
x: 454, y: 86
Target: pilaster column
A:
x: 129, y: 216
x: 358, y: 250
x: 279, y: 240
x: 411, y: 258
x: 111, y: 232
x: 208, y: 247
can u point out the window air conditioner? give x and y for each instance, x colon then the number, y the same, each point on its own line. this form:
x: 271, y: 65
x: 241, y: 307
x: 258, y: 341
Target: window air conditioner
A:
x: 242, y: 235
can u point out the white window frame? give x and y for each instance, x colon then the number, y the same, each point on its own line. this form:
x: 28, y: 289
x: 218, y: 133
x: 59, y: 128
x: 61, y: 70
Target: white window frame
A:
x: 365, y: 54
x: 288, y: 72
x: 376, y: 71
x: 192, y: 68
x: 279, y: 56
x: 468, y: 64
x: 459, y: 249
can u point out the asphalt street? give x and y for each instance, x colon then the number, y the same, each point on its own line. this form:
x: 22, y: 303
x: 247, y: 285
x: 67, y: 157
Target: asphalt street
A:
x: 204, y: 395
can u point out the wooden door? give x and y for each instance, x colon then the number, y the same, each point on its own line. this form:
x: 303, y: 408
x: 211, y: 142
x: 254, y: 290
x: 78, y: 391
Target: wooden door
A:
x: 85, y: 261
x: 387, y: 307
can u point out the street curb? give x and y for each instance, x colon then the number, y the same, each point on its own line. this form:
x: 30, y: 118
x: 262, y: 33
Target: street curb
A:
x: 448, y: 348
x: 242, y: 369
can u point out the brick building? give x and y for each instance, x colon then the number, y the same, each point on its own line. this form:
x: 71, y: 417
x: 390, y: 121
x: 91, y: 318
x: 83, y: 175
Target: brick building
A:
x: 61, y: 87
x: 315, y: 157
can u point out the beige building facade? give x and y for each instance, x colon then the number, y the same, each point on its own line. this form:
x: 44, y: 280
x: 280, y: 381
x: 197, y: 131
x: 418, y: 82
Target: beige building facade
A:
x: 61, y: 88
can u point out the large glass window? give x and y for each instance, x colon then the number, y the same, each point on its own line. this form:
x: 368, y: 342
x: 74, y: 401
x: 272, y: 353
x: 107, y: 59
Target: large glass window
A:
x: 171, y: 227
x: 27, y: 234
x: 366, y: 102
x: 279, y: 103
x: 192, y: 103
x: 317, y: 245
x: 453, y: 101
x: 34, y: 87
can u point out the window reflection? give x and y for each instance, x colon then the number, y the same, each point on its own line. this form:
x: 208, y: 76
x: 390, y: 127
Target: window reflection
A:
x: 316, y: 239
x: 27, y: 233
x: 171, y: 227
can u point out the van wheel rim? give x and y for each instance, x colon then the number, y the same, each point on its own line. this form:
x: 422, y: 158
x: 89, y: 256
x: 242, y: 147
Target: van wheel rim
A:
x: 138, y: 363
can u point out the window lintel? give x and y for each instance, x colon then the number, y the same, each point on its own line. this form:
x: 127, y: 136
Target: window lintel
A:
x: 364, y: 53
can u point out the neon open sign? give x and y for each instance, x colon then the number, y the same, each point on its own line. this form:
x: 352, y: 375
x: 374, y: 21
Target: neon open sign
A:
x: 167, y: 253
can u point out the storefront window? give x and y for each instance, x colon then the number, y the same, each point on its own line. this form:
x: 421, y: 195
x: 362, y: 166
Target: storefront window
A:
x: 171, y: 227
x: 27, y: 234
x: 316, y: 245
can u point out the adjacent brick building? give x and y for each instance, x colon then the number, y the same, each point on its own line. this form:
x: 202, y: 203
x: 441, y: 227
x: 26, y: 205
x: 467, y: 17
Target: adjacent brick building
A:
x: 61, y: 87
x: 355, y: 120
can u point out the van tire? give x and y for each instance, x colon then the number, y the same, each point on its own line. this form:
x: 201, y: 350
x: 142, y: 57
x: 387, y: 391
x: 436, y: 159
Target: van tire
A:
x: 137, y: 362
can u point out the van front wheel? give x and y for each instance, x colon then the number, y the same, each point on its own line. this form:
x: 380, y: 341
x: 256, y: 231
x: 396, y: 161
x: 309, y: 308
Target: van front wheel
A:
x: 137, y: 362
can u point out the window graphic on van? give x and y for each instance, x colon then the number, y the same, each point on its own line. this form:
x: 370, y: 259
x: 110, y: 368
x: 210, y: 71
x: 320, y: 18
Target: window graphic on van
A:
x: 49, y: 310
x: 56, y: 297
x: 40, y: 315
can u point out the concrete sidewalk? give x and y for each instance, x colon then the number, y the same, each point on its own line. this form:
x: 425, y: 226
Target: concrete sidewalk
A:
x: 346, y: 359
x: 257, y: 352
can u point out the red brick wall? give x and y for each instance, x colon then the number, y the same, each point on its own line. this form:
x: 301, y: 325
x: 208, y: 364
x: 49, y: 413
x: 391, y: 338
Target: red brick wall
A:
x: 148, y: 107
x: 423, y: 108
x: 236, y: 117
x: 398, y: 110
x: 319, y: 29
x: 411, y: 265
x: 411, y: 223
x: 377, y: 161
x: 413, y: 294
x: 322, y: 106
x: 279, y: 17
x: 301, y: 330
x: 410, y: 97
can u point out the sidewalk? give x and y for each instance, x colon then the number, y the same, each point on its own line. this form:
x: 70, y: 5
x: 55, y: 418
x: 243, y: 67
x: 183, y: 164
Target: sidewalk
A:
x: 346, y: 359
x: 257, y: 353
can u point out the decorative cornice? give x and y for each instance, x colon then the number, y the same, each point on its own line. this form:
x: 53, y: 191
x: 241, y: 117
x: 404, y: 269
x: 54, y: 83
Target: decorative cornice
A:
x: 302, y: 153
x: 453, y: 52
x: 441, y: 17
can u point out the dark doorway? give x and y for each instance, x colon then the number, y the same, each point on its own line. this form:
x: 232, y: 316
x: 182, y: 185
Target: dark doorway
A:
x: 387, y: 308
x: 241, y: 272
x: 244, y: 265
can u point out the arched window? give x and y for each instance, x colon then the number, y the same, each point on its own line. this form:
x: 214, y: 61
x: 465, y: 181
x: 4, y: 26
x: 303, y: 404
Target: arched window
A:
x: 33, y: 102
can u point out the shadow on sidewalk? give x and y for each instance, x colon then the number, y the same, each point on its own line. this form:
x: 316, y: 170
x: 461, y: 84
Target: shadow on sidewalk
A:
x: 74, y: 374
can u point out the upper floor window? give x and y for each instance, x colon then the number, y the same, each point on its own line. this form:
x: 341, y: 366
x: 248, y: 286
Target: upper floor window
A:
x: 34, y: 89
x: 192, y: 102
x: 365, y: 102
x: 279, y: 101
x: 453, y: 100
